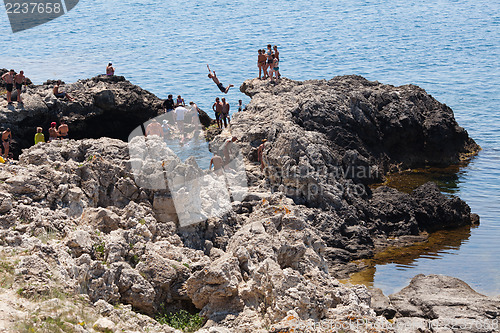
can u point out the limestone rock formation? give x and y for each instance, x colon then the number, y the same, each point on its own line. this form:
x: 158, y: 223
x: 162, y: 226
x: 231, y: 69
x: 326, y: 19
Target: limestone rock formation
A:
x: 445, y: 303
x: 104, y: 219
x: 327, y: 140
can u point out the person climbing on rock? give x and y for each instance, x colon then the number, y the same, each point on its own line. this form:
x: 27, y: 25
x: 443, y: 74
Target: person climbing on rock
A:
x: 218, y: 164
x: 61, y: 94
x: 39, y: 137
x: 6, y: 137
x: 9, y: 84
x: 226, y: 149
x: 213, y: 76
x: 154, y: 128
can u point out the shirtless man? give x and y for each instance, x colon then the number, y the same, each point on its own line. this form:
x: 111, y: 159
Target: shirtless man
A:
x: 63, y: 130
x: 19, y: 79
x: 225, y: 113
x: 9, y: 80
x: 110, y: 70
x: 218, y: 164
x: 61, y: 94
x: 53, y: 133
x: 6, y: 137
x: 213, y: 76
x: 227, y: 149
x: 217, y: 107
x: 261, y: 63
x: 260, y: 150
x: 154, y: 128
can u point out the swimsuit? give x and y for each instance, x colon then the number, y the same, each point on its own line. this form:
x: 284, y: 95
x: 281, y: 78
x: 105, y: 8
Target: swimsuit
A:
x: 221, y: 87
x: 9, y: 87
x: 276, y: 68
x: 60, y: 95
x: 269, y: 58
x: 19, y: 86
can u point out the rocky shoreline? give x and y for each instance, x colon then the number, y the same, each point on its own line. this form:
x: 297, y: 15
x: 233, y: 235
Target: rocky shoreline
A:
x: 76, y: 217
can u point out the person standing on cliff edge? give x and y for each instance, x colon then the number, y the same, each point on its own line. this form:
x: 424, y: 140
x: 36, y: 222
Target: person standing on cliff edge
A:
x: 217, y: 107
x: 213, y: 76
x: 225, y: 113
x: 61, y: 94
x: 9, y: 80
x: 19, y: 79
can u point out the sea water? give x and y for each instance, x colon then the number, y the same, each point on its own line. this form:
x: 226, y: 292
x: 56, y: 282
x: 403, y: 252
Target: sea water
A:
x: 451, y: 48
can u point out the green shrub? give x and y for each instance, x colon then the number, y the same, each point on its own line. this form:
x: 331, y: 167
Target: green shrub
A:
x: 182, y: 320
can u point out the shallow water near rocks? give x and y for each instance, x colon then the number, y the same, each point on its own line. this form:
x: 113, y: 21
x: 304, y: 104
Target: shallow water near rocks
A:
x: 449, y: 48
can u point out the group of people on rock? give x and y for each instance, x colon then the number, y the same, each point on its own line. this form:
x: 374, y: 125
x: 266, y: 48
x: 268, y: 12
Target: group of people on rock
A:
x: 268, y: 63
x: 12, y: 78
x: 55, y: 133
x: 176, y: 112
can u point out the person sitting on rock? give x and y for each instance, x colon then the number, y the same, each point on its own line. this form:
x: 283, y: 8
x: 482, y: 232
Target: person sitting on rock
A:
x: 9, y: 84
x: 180, y: 101
x: 39, y: 137
x: 154, y: 128
x: 61, y: 94
x: 213, y: 76
x: 6, y: 137
x: 110, y: 70
x: 53, y: 133
x: 180, y: 113
x: 63, y: 130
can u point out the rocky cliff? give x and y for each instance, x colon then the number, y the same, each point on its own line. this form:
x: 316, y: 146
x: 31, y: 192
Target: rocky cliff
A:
x: 104, y: 106
x: 79, y: 217
x: 326, y: 140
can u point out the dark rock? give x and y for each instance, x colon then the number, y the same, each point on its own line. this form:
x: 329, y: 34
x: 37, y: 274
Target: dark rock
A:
x: 326, y: 140
x: 104, y: 106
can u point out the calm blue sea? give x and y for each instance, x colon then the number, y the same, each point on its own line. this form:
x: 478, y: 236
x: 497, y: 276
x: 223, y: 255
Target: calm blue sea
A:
x: 451, y: 48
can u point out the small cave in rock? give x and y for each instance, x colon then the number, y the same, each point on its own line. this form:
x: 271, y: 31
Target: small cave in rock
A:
x: 115, y: 126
